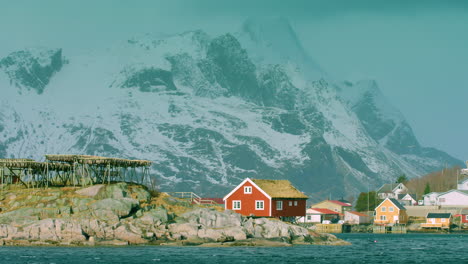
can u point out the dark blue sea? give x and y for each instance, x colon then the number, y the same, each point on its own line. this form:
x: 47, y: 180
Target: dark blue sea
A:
x: 365, y: 248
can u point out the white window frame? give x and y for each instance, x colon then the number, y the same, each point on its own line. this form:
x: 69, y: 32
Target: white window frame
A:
x: 443, y: 220
x: 279, y: 205
x: 234, y: 204
x: 383, y: 209
x: 309, y: 218
x: 257, y: 202
x: 247, y: 189
x: 295, y: 203
x: 390, y: 208
x: 383, y: 218
x: 290, y: 203
x: 466, y: 217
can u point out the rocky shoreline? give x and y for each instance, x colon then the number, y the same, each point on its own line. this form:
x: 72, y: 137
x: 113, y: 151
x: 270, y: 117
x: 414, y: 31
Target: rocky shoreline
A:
x: 127, y: 214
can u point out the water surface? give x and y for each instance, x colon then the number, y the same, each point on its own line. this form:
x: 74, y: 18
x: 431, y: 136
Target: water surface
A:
x: 365, y: 248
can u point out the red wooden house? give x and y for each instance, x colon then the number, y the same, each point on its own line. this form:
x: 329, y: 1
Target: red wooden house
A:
x: 273, y: 198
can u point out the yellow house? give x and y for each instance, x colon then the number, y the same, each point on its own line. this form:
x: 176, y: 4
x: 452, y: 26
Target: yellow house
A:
x: 390, y: 211
x: 438, y: 220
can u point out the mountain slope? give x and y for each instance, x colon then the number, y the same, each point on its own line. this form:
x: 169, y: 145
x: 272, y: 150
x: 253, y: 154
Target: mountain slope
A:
x: 210, y: 111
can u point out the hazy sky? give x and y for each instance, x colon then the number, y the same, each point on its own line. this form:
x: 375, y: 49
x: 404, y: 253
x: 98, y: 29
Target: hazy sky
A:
x: 416, y: 50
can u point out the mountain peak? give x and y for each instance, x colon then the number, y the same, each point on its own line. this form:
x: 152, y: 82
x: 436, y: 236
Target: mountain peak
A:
x: 274, y: 41
x: 268, y: 31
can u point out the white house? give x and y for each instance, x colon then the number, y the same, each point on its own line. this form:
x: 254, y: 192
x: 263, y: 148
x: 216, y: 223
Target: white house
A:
x: 391, y: 190
x: 430, y: 198
x: 317, y: 215
x: 453, y: 197
x: 463, y: 185
x: 407, y: 199
x: 356, y: 218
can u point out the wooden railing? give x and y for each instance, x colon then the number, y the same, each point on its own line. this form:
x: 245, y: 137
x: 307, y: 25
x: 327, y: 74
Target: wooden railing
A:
x: 192, y: 197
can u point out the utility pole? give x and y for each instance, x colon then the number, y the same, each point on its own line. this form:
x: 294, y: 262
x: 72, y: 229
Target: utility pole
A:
x: 368, y: 194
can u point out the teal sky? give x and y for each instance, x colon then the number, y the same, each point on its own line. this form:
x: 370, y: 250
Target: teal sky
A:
x: 416, y: 50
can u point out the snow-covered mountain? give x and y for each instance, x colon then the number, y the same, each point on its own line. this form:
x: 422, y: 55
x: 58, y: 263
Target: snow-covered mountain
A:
x: 210, y: 111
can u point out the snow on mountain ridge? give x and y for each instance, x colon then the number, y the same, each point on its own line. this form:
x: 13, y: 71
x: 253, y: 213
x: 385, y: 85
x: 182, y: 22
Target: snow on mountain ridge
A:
x: 179, y: 102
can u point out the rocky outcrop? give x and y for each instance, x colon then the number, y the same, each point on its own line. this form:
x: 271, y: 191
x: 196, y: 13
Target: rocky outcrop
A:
x: 32, y: 69
x: 122, y: 214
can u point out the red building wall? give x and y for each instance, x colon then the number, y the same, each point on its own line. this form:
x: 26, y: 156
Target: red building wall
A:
x: 463, y: 217
x: 248, y: 201
x: 289, y: 210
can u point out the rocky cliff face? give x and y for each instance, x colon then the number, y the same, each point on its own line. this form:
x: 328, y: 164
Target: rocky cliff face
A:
x: 122, y: 214
x: 210, y: 111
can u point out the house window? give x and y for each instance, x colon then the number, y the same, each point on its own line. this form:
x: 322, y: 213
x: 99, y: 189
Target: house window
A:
x: 443, y: 220
x: 290, y: 203
x: 309, y: 217
x: 466, y: 217
x: 384, y: 209
x: 390, y: 209
x: 295, y: 203
x: 383, y: 217
x: 259, y: 205
x: 248, y: 189
x: 236, y: 205
x: 279, y: 205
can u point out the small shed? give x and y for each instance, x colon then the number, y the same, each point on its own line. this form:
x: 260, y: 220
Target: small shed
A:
x: 356, y: 218
x: 438, y: 220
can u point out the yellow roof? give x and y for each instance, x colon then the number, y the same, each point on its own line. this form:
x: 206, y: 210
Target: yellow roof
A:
x: 279, y: 189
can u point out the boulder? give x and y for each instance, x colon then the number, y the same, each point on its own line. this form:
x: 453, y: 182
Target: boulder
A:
x: 115, y: 191
x: 154, y: 216
x: 53, y: 230
x: 121, y: 207
x: 236, y: 232
x: 271, y: 228
x: 129, y: 234
x: 26, y: 215
x: 104, y: 215
x: 141, y: 194
x: 184, y: 230
x: 79, y: 204
x: 210, y: 234
x: 7, y: 230
x: 20, y: 215
x: 211, y: 218
x: 90, y: 191
x: 69, y: 231
x: 98, y: 229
